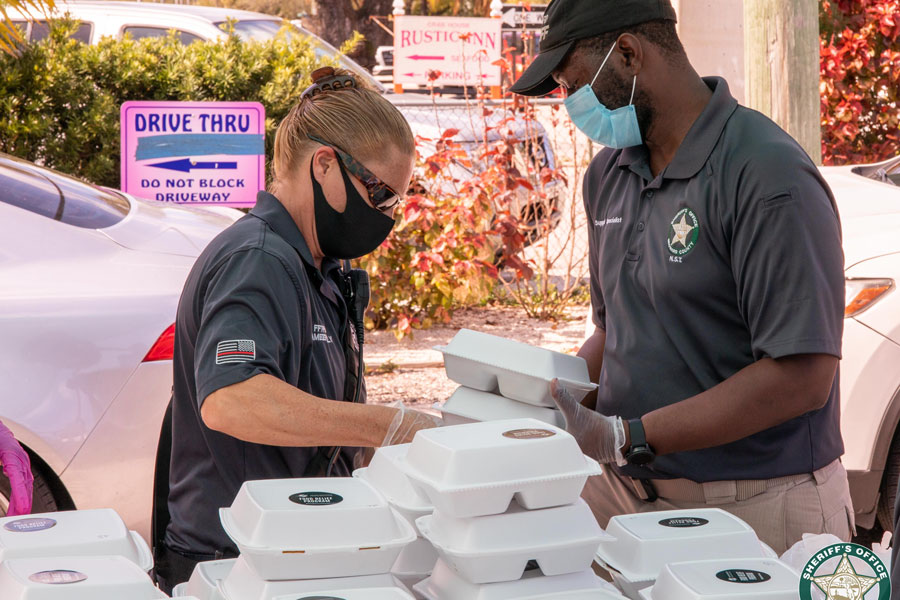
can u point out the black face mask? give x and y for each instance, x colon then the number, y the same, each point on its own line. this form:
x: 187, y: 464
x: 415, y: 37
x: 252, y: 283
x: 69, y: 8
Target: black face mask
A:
x: 358, y: 230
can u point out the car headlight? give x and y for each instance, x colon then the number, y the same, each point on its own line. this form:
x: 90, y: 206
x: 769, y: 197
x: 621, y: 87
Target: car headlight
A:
x: 861, y: 293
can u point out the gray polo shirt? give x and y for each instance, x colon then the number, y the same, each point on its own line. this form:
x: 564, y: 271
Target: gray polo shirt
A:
x: 253, y: 303
x: 732, y: 254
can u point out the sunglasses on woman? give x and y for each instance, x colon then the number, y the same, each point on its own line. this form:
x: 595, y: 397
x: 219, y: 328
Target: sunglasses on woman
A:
x: 382, y: 196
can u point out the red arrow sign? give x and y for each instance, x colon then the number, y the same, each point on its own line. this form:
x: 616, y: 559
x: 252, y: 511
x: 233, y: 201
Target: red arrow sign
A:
x: 420, y: 57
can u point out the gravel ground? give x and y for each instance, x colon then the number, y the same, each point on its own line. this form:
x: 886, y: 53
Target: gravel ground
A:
x: 409, y: 370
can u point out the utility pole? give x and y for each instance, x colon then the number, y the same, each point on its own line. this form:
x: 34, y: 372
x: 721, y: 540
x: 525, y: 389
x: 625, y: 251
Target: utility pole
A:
x: 781, y: 65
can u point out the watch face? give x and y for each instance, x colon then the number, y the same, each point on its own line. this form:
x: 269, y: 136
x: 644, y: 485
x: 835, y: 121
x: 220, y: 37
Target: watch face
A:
x: 640, y: 456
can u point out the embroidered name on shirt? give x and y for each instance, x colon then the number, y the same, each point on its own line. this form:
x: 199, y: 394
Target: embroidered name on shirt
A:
x: 320, y: 334
x: 609, y: 221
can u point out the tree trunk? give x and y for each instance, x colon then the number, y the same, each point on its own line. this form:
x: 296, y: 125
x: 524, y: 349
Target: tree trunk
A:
x: 781, y: 64
x: 336, y: 21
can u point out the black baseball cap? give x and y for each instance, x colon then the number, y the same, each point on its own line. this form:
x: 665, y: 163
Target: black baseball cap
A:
x: 567, y: 21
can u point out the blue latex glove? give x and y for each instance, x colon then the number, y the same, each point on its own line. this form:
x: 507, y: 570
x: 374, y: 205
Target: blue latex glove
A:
x: 16, y: 466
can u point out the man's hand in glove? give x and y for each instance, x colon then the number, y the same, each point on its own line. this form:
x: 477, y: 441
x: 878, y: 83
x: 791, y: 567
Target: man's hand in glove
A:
x: 599, y: 436
x: 17, y: 467
x: 406, y: 423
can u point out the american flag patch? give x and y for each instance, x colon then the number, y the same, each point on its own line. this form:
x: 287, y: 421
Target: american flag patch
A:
x: 235, y: 351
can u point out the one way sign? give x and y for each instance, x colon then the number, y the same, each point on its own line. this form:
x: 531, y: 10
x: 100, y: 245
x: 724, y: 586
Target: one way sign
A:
x: 514, y: 17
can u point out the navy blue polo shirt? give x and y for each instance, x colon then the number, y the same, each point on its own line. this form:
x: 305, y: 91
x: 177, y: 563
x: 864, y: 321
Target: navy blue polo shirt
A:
x: 731, y: 254
x: 253, y: 303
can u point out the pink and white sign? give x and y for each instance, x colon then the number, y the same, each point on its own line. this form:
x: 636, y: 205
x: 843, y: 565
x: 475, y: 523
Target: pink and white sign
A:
x: 194, y: 152
x: 461, y: 49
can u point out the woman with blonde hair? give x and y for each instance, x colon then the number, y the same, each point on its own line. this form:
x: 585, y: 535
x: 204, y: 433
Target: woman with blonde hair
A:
x: 267, y: 372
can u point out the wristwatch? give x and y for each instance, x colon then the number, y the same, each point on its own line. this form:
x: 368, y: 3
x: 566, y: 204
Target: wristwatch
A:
x: 639, y: 452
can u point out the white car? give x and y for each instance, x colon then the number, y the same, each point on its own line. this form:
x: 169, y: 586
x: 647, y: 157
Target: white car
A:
x: 868, y: 199
x: 89, y: 284
x: 869, y: 202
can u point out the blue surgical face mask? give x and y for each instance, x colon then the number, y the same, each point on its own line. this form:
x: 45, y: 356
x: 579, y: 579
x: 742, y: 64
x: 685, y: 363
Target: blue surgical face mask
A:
x: 613, y: 128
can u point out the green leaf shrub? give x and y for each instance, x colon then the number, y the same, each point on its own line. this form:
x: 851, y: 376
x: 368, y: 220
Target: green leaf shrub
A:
x: 60, y: 99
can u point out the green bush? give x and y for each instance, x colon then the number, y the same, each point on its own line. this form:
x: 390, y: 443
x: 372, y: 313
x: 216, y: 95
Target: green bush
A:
x: 60, y: 99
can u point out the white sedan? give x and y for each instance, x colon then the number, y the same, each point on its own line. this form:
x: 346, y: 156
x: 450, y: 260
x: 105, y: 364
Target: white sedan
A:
x: 89, y: 283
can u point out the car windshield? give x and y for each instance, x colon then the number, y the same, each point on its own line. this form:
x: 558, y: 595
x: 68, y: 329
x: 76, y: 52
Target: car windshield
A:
x: 267, y: 29
x: 59, y: 197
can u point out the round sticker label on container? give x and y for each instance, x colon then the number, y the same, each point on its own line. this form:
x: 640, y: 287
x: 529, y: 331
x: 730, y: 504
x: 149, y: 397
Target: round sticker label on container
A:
x: 684, y: 522
x: 743, y: 576
x: 59, y: 577
x: 316, y: 498
x: 27, y: 525
x: 528, y: 434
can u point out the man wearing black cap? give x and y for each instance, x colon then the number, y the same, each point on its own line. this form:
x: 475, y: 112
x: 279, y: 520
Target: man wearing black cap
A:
x: 716, y: 284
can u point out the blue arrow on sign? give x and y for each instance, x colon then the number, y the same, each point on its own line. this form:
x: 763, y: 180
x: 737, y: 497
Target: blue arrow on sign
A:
x: 185, y: 165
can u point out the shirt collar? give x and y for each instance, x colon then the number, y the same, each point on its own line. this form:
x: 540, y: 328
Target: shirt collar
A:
x: 700, y: 140
x: 272, y: 211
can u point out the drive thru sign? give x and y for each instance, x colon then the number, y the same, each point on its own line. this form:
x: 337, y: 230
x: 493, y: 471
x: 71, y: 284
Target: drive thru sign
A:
x: 461, y: 49
x: 194, y: 152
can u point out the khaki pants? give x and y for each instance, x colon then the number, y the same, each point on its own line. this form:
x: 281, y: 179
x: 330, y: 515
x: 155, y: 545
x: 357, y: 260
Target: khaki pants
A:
x: 780, y: 510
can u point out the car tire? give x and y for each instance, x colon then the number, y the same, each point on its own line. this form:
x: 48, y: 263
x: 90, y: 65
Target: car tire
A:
x: 42, y: 500
x: 889, y: 483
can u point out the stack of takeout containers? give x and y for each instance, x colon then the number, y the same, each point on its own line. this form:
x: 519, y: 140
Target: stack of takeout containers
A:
x: 75, y: 578
x: 726, y: 579
x: 506, y: 497
x: 641, y: 545
x: 72, y: 533
x: 74, y: 555
x: 506, y: 379
x: 332, y: 537
x: 386, y: 475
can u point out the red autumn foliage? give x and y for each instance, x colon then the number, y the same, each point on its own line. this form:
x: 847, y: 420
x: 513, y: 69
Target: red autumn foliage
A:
x: 860, y: 80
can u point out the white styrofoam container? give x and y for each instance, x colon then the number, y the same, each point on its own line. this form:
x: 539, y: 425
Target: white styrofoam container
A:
x: 204, y: 581
x: 315, y: 528
x: 467, y: 405
x: 75, y: 578
x: 477, y: 469
x: 726, y: 579
x: 393, y: 593
x: 243, y: 583
x: 415, y: 563
x: 518, y: 371
x: 644, y: 542
x: 386, y: 476
x: 497, y: 548
x: 98, y: 532
x: 446, y: 584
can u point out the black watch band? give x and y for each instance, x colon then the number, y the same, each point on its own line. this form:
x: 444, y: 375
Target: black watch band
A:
x: 639, y: 451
